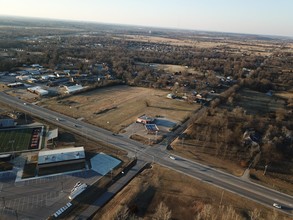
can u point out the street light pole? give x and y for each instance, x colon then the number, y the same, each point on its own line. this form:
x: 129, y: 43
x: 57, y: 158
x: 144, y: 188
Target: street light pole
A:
x: 61, y: 186
x: 12, y: 142
x: 107, y: 139
x: 72, y: 111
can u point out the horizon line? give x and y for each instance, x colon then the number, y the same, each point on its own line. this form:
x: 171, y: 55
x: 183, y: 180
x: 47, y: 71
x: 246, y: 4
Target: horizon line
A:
x: 146, y: 26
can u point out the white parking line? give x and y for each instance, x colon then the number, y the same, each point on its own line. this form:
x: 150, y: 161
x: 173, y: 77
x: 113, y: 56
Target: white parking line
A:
x: 16, y: 203
x: 12, y: 202
x: 35, y: 200
x: 7, y: 203
x: 28, y: 202
x: 22, y: 204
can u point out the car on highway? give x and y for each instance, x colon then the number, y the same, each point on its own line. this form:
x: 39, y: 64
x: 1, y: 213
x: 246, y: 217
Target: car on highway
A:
x: 276, y: 205
x: 172, y: 157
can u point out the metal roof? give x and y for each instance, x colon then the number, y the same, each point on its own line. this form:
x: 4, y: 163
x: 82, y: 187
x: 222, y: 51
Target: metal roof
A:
x: 65, y: 154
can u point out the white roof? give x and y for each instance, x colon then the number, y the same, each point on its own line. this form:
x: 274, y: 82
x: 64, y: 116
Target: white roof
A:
x: 65, y: 154
x: 15, y: 84
x: 73, y: 88
x: 39, y: 90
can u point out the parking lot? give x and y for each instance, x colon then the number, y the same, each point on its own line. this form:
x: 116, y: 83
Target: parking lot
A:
x: 38, y: 198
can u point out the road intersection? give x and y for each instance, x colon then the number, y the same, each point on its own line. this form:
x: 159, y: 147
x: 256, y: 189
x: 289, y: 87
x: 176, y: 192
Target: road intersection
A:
x: 160, y: 155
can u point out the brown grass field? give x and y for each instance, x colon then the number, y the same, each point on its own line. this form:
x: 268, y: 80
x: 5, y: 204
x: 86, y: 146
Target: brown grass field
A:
x: 184, y: 196
x: 177, y: 68
x: 114, y: 108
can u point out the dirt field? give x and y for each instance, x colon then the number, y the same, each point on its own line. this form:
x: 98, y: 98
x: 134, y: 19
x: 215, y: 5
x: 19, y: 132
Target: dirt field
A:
x: 184, y: 196
x: 114, y: 108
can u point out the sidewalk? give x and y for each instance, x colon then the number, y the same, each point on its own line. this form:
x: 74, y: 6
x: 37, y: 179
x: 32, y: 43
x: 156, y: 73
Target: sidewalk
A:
x: 111, y: 192
x: 246, y: 175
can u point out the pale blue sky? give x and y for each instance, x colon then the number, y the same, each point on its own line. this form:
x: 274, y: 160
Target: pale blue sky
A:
x: 274, y: 17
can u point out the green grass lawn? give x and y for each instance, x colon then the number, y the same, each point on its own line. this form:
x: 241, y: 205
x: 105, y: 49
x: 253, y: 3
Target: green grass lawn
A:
x: 19, y: 139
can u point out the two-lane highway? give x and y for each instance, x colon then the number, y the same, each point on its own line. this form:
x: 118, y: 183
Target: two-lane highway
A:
x: 207, y: 174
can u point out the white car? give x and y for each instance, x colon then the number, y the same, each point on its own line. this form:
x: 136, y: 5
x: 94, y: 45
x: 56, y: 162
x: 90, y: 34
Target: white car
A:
x: 276, y: 205
x: 172, y: 157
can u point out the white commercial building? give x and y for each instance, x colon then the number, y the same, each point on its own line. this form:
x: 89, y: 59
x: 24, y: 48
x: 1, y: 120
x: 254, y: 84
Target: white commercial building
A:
x: 59, y: 157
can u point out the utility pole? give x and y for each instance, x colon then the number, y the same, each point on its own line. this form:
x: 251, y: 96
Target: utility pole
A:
x: 16, y: 214
x: 25, y: 118
x: 265, y: 171
x: 222, y: 197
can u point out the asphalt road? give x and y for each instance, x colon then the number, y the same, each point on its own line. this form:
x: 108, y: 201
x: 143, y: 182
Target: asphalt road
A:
x: 159, y: 155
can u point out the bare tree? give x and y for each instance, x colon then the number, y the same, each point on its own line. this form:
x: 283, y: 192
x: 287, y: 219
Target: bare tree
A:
x: 162, y: 212
x: 254, y: 214
x: 123, y: 214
